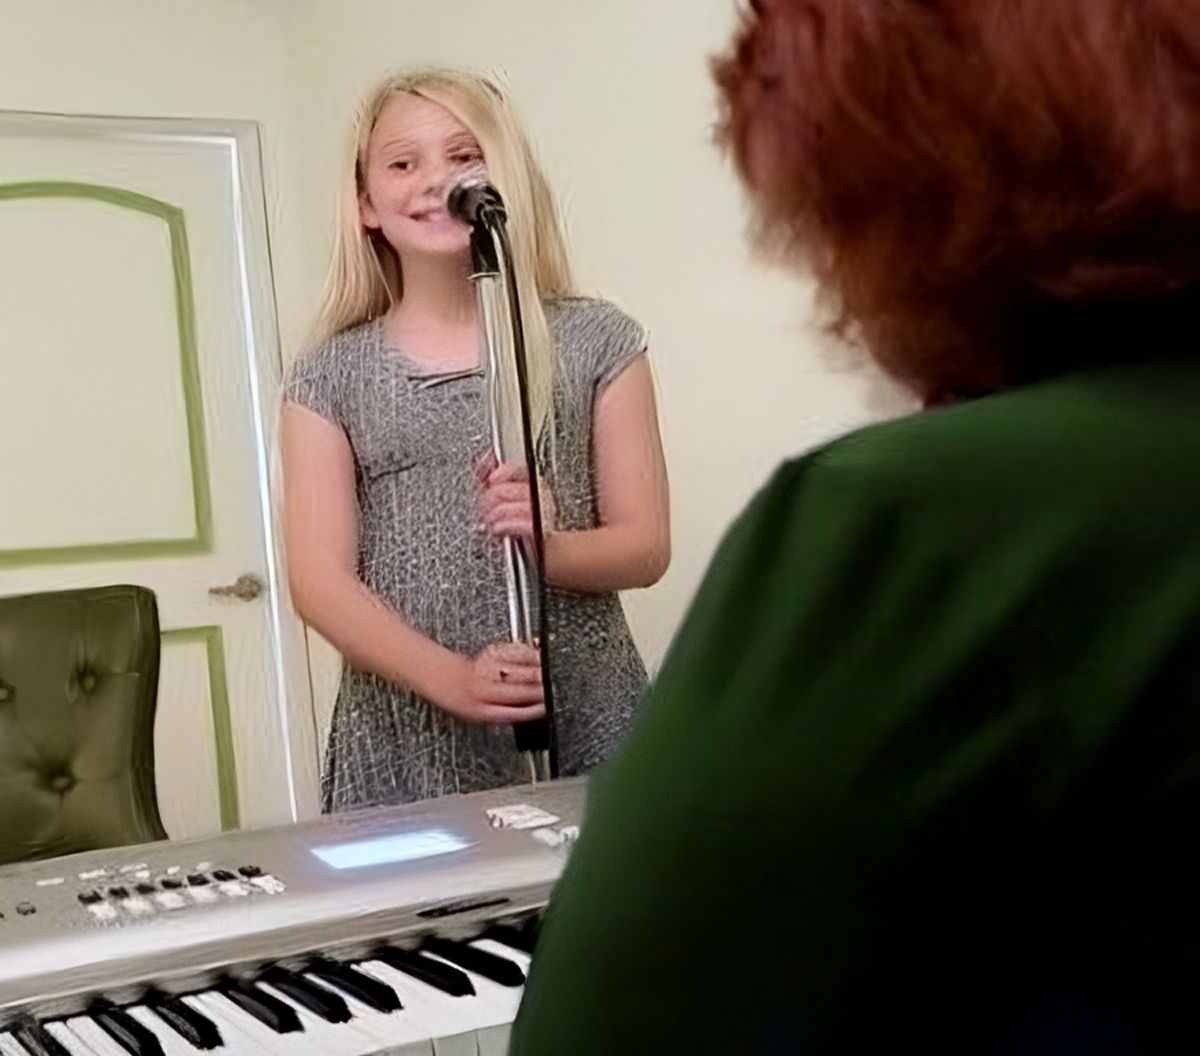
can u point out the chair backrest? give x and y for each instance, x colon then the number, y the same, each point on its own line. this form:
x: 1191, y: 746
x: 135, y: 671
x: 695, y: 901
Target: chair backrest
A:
x: 78, y: 690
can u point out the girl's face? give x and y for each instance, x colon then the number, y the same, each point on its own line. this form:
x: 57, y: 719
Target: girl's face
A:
x: 416, y: 152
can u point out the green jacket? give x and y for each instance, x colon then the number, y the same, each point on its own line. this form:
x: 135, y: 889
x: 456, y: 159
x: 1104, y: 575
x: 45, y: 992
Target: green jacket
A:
x: 923, y: 762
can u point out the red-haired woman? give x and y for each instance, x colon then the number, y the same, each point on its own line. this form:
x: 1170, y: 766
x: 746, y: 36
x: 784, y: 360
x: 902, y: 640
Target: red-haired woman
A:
x: 923, y: 765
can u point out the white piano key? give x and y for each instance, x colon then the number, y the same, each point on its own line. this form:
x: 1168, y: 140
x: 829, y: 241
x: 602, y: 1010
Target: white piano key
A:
x: 518, y: 957
x: 490, y: 1012
x: 497, y: 1005
x: 9, y: 1046
x: 242, y: 1024
x: 297, y: 1042
x: 94, y: 1036
x: 237, y: 1042
x: 172, y: 1043
x: 438, y: 1011
x: 395, y: 1033
x: 68, y: 1039
x: 332, y: 1039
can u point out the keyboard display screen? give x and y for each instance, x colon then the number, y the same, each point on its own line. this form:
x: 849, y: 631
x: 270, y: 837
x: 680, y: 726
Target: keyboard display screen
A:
x: 387, y: 850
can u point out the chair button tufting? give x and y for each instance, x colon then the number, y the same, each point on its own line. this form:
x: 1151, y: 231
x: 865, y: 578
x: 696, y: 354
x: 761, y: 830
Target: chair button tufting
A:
x: 5, y: 694
x: 87, y: 681
x: 62, y: 783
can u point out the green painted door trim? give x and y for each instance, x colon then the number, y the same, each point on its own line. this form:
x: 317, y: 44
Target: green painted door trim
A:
x: 218, y: 685
x: 185, y: 315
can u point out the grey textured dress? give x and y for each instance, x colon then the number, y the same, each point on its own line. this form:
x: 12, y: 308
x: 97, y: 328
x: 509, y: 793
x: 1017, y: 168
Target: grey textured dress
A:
x: 416, y: 438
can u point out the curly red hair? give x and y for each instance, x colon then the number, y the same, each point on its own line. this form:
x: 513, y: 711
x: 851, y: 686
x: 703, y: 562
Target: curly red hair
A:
x: 975, y: 180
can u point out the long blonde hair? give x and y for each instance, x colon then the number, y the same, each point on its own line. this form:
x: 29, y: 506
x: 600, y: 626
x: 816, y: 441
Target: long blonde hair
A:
x: 365, y: 275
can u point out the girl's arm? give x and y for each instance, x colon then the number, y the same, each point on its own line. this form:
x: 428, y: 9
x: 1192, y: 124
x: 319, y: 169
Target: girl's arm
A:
x: 631, y: 547
x: 320, y: 518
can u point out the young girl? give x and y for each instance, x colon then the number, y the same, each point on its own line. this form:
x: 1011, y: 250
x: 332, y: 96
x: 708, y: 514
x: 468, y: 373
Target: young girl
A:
x: 394, y: 519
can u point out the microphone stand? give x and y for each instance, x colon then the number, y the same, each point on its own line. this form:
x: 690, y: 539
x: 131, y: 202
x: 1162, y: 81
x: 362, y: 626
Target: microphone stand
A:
x: 504, y: 354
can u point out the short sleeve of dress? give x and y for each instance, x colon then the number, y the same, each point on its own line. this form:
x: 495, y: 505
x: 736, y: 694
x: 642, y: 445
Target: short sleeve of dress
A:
x: 314, y: 381
x: 606, y: 339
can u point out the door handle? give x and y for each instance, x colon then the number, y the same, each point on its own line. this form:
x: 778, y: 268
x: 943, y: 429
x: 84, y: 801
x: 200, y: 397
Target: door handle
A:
x: 246, y: 587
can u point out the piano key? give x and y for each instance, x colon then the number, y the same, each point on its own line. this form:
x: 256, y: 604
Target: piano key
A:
x: 363, y: 988
x: 296, y: 1043
x: 489, y: 1012
x: 495, y: 1007
x: 516, y: 937
x: 476, y: 961
x: 236, y: 1041
x: 126, y: 1031
x: 346, y: 1038
x: 268, y: 1010
x: 41, y: 1042
x: 319, y: 999
x: 85, y: 1032
x: 444, y: 977
x: 522, y: 959
x: 172, y: 1044
x: 197, y: 1030
x: 453, y: 1034
x: 396, y: 1033
x: 246, y: 1034
x: 9, y: 1046
x: 69, y: 1041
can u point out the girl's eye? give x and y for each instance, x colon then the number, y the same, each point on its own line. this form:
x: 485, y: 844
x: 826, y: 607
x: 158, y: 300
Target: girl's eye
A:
x: 402, y: 166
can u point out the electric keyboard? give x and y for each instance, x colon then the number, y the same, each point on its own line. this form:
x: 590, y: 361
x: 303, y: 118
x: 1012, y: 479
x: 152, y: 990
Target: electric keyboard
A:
x: 402, y: 930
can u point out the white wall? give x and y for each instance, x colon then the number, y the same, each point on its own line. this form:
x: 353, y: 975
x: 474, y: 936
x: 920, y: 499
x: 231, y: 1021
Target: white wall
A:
x: 147, y: 58
x: 618, y: 99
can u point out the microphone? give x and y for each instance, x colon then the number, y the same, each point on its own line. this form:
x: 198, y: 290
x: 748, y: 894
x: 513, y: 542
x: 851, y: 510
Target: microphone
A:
x: 474, y: 201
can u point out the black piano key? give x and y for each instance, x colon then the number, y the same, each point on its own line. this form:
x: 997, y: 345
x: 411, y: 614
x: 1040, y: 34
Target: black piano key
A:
x: 371, y: 992
x: 307, y: 994
x: 264, y: 1007
x: 38, y: 1041
x: 126, y: 1031
x: 481, y: 962
x: 438, y: 974
x: 194, y: 1027
x: 523, y: 939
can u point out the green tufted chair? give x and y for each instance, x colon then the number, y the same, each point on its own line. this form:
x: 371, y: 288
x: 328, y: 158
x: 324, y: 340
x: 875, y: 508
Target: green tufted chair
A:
x: 78, y: 688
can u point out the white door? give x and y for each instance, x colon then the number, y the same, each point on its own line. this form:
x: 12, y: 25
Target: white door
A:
x: 139, y: 373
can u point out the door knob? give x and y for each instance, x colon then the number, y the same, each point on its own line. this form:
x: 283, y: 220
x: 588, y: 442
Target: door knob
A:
x: 246, y: 587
